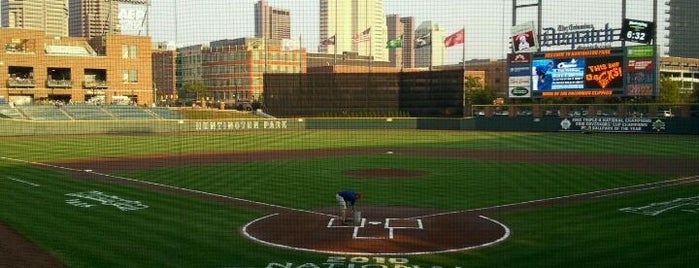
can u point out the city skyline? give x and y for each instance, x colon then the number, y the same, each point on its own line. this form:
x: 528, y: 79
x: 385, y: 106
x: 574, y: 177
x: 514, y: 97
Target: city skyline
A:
x: 50, y: 16
x: 487, y: 24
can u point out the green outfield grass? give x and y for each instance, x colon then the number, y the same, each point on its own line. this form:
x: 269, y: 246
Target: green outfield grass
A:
x: 180, y: 231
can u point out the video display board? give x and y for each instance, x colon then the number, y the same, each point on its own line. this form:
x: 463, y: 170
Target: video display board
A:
x: 612, y: 72
x: 578, y: 73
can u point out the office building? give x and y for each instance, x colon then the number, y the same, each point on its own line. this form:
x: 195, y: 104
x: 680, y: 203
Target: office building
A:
x: 402, y: 28
x: 164, y: 74
x: 361, y: 20
x: 271, y: 22
x: 91, y: 18
x: 234, y: 69
x: 684, y: 71
x: 49, y: 16
x: 683, y: 36
x: 429, y: 45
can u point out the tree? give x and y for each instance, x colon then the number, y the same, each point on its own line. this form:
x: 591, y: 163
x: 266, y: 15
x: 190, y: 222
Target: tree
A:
x: 470, y: 83
x: 669, y: 91
x: 484, y: 96
x: 695, y: 93
x: 196, y: 87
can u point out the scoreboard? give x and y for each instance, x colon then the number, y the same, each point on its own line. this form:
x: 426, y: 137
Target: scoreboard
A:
x: 637, y: 31
x: 612, y: 72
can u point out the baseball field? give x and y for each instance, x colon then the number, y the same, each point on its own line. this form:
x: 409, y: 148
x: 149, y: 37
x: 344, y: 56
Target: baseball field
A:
x: 431, y: 199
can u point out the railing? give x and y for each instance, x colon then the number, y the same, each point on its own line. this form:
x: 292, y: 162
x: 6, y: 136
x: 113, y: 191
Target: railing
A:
x: 95, y: 84
x: 59, y: 83
x: 21, y: 82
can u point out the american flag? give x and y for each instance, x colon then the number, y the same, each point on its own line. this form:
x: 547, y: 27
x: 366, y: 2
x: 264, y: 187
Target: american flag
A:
x: 361, y: 37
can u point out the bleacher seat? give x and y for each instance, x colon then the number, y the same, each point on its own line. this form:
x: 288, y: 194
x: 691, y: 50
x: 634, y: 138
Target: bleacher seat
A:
x: 166, y: 113
x: 44, y: 112
x: 129, y: 112
x: 8, y: 111
x: 87, y: 112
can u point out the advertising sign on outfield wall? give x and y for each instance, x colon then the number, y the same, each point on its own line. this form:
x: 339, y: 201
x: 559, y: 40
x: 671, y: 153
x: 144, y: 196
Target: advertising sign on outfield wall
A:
x: 614, y: 124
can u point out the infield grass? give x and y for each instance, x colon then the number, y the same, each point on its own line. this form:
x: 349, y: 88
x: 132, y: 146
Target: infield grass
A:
x: 181, y: 231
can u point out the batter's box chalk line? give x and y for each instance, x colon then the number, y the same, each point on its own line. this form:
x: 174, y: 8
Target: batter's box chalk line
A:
x: 417, y: 225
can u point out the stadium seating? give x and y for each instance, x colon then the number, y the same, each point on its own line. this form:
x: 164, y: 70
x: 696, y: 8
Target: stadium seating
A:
x: 165, y: 113
x: 44, y: 112
x: 7, y: 111
x: 87, y: 112
x: 129, y: 112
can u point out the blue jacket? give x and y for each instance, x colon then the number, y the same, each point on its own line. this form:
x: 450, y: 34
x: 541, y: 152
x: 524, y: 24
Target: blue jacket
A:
x: 349, y: 196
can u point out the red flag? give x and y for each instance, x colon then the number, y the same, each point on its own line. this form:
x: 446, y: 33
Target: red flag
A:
x: 454, y: 39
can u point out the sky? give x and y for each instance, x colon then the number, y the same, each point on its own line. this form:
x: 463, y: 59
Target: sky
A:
x: 487, y: 23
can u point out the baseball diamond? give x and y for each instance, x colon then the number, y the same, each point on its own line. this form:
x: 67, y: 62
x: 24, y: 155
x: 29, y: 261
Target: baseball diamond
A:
x: 384, y: 230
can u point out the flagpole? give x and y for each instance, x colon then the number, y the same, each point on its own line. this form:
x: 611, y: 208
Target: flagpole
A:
x: 463, y: 49
x: 336, y: 37
x: 371, y: 50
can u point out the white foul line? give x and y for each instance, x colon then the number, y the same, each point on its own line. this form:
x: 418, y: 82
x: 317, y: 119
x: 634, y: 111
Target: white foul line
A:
x: 22, y: 181
x: 168, y: 186
x: 599, y: 193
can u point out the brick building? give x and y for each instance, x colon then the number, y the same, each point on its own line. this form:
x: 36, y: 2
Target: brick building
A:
x: 35, y: 67
x: 234, y: 69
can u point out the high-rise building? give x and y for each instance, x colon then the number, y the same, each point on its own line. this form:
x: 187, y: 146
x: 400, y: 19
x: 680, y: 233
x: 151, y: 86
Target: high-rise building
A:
x: 271, y: 22
x: 409, y: 39
x: 91, y: 18
x: 402, y: 28
x: 683, y: 36
x: 49, y: 16
x: 346, y: 20
x: 429, y: 45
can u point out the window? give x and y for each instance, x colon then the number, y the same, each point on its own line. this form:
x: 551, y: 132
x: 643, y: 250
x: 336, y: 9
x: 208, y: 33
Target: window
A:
x: 124, y: 51
x: 129, y: 76
x: 133, y: 76
x: 133, y: 52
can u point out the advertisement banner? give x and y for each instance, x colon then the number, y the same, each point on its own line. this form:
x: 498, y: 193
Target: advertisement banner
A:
x: 614, y: 124
x: 519, y: 70
x: 524, y: 38
x: 640, y: 78
x: 519, y: 87
x: 640, y: 51
x: 578, y: 73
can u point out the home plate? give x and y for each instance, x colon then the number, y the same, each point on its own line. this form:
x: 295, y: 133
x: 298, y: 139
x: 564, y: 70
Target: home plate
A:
x: 375, y: 222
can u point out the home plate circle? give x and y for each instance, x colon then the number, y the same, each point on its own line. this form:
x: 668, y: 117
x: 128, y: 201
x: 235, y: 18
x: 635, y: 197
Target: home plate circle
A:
x: 390, y: 230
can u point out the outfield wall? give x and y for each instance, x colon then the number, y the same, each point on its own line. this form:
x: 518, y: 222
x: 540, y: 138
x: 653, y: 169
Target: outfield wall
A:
x: 689, y: 125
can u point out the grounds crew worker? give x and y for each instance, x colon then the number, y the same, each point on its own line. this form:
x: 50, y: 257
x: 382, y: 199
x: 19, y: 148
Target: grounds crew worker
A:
x: 345, y: 198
